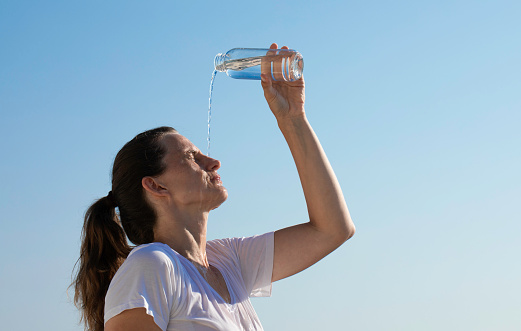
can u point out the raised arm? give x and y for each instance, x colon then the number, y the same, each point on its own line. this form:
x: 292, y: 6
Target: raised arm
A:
x: 300, y: 246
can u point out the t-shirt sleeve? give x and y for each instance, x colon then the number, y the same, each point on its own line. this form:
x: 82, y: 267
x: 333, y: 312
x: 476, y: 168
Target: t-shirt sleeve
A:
x: 143, y: 281
x: 255, y: 256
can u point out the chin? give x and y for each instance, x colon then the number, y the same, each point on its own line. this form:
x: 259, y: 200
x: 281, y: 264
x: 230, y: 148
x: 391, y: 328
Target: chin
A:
x: 222, y: 199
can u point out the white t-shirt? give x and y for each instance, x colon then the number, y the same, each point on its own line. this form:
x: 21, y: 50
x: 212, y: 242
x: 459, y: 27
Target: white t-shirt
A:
x: 174, y: 293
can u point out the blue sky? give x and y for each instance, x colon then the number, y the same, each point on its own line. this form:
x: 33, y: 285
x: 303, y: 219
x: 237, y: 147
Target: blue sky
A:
x: 416, y: 103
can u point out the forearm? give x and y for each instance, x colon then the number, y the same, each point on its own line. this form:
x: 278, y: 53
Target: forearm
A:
x: 327, y: 208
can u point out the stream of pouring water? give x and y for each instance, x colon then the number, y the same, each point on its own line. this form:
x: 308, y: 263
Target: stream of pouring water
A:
x: 210, y: 111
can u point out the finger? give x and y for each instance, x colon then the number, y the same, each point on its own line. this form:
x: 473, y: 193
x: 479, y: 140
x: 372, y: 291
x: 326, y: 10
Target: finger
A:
x: 266, y: 84
x: 284, y: 65
x: 266, y: 64
x: 276, y: 66
x: 275, y: 58
x: 266, y: 80
x: 288, y: 73
x: 273, y: 46
x: 267, y: 61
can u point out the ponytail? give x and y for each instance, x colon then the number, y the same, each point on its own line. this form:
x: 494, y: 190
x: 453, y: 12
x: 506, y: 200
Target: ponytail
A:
x: 104, y: 244
x: 104, y: 247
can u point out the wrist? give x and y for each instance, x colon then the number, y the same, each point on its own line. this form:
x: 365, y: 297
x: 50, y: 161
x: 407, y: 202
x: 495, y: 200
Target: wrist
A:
x: 289, y: 124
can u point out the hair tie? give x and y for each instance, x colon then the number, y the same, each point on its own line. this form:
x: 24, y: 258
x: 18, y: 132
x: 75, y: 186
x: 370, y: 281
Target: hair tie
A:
x: 110, y: 196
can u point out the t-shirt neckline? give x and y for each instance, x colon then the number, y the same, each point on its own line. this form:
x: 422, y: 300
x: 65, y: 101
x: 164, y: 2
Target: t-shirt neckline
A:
x: 232, y: 295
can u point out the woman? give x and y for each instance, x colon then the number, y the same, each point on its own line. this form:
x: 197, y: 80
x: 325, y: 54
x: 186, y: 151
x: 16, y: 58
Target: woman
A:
x: 164, y: 188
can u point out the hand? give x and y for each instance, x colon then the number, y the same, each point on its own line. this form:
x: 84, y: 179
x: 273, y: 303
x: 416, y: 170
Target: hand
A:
x: 285, y: 99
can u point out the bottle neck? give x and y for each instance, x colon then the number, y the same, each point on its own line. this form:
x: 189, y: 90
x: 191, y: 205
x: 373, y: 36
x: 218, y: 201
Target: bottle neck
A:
x: 218, y: 62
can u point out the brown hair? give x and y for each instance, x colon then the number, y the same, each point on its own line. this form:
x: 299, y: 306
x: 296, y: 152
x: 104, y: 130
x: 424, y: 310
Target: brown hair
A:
x: 104, y: 244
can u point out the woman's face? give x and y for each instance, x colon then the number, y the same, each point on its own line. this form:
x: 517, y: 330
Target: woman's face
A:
x: 190, y: 176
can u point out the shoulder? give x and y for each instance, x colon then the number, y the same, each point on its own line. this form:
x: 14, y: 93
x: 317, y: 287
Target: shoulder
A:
x: 153, y: 263
x: 235, y: 245
x: 224, y: 246
x: 148, y: 278
x: 152, y: 255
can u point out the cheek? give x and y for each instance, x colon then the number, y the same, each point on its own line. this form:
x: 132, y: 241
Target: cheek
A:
x: 192, y: 179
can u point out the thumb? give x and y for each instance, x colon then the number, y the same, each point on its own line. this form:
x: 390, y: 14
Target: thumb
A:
x: 265, y: 80
x: 267, y: 84
x: 270, y: 93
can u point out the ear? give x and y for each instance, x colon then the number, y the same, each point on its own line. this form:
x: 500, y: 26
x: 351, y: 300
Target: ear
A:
x: 152, y: 186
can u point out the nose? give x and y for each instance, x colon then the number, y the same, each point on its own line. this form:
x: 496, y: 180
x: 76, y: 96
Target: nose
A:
x: 212, y: 164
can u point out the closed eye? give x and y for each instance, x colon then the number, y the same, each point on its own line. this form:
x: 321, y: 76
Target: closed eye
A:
x: 192, y: 154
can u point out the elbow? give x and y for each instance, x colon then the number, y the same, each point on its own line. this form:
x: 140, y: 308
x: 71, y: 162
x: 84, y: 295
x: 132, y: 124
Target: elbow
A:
x: 342, y: 235
x: 349, y: 231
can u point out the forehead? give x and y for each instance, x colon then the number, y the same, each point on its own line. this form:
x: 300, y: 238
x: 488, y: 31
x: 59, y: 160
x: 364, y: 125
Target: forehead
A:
x: 176, y: 143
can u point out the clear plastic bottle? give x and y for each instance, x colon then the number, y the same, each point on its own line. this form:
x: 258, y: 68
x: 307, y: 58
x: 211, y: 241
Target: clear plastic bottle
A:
x: 248, y: 63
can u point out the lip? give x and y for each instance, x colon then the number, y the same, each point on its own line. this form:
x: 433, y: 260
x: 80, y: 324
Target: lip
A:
x: 216, y: 178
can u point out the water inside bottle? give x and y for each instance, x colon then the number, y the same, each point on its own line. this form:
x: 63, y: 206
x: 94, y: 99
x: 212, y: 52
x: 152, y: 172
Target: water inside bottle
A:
x: 250, y: 68
x: 241, y: 64
x: 247, y: 68
x: 210, y: 111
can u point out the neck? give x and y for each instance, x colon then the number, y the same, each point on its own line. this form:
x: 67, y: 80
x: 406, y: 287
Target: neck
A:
x: 186, y: 234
